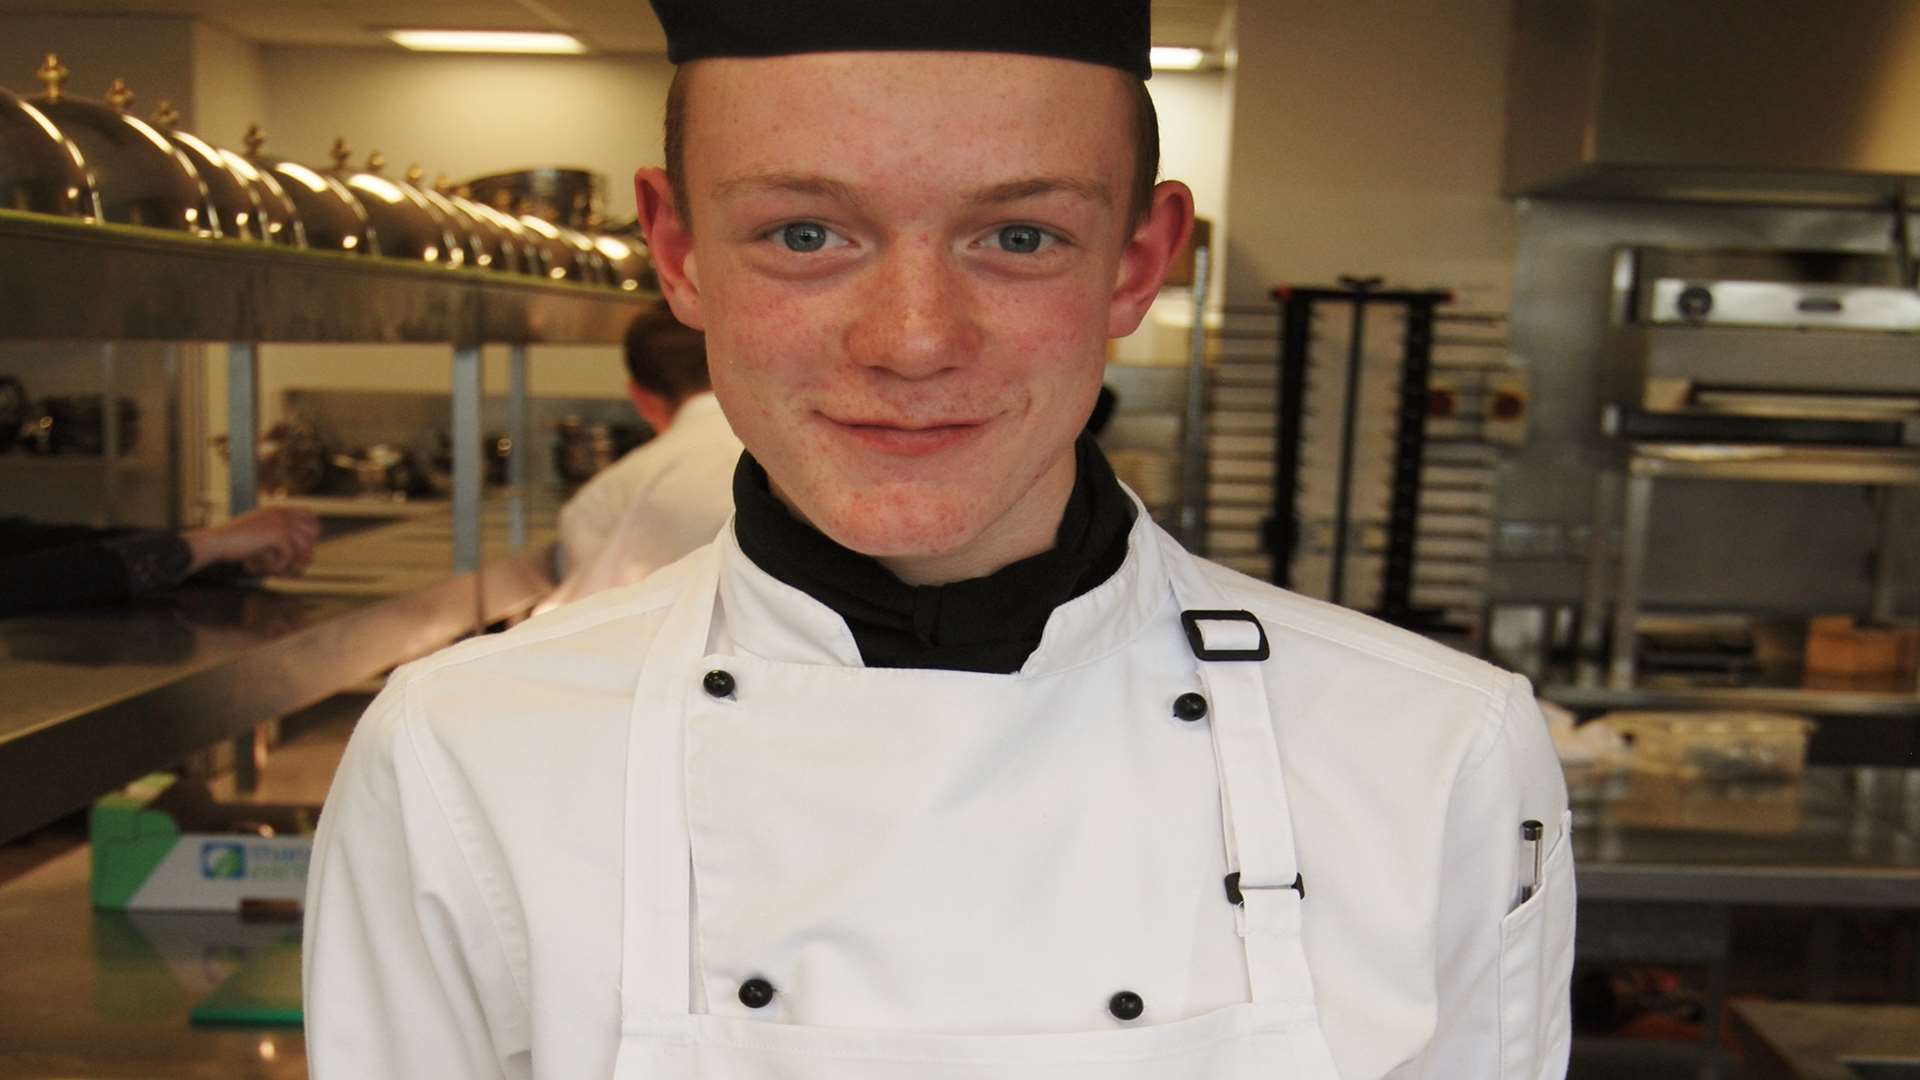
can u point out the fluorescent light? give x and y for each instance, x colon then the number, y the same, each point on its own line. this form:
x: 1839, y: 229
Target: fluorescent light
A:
x: 486, y: 41
x: 1177, y: 58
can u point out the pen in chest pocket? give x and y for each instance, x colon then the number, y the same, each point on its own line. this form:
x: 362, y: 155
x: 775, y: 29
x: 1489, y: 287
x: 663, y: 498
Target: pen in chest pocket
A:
x: 1531, y: 833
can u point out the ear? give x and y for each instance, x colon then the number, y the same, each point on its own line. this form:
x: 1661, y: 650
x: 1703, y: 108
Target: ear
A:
x: 1149, y: 252
x: 669, y: 245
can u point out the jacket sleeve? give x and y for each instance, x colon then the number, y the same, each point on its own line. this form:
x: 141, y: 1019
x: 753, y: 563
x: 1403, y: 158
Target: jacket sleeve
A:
x: 1504, y: 963
x: 405, y: 973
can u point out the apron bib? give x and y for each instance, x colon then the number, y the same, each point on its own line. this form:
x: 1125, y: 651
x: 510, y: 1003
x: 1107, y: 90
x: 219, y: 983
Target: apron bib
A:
x: 1275, y: 1034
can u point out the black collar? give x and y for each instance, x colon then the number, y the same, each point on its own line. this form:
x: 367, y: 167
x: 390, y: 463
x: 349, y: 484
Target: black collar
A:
x: 987, y: 624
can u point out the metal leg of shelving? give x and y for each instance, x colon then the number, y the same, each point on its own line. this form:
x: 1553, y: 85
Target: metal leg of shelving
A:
x: 243, y: 427
x: 176, y: 480
x: 1193, y: 457
x: 466, y: 458
x: 109, y: 439
x: 243, y: 494
x: 1886, y: 553
x: 1635, y: 522
x: 520, y: 447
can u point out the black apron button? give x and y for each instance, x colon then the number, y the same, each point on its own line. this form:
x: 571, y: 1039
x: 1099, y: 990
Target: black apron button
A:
x: 756, y: 993
x: 718, y: 683
x: 1126, y: 1005
x: 1189, y: 707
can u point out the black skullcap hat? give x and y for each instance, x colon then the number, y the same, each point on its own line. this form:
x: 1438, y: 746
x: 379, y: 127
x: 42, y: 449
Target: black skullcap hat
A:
x: 1115, y: 33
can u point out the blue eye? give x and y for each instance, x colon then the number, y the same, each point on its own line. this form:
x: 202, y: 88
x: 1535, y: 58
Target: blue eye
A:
x: 804, y: 236
x: 1021, y: 239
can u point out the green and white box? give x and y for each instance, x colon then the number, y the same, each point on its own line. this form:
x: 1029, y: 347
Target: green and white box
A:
x: 164, y: 845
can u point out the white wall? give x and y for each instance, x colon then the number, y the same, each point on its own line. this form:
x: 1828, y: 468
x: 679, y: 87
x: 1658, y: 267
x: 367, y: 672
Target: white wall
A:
x: 154, y: 54
x: 1367, y: 138
x: 1196, y: 121
x: 229, y: 87
x: 470, y: 115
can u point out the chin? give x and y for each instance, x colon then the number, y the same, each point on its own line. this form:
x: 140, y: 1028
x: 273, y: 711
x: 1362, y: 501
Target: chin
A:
x: 909, y: 520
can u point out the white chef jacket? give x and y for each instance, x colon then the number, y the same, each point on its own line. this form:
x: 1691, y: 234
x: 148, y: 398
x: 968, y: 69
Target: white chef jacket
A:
x: 661, y: 500
x: 465, y: 895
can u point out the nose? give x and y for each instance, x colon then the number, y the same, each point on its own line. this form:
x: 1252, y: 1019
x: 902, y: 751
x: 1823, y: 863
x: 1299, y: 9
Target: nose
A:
x: 915, y: 317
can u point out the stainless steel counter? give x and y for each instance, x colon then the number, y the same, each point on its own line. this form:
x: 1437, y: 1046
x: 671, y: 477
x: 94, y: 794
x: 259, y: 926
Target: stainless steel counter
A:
x: 94, y: 700
x: 1838, y: 838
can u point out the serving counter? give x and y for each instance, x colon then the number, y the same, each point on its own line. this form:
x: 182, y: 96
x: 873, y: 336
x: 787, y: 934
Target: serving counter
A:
x: 97, y: 699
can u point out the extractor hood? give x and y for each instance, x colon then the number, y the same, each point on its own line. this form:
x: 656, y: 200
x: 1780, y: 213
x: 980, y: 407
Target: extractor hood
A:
x: 1777, y: 101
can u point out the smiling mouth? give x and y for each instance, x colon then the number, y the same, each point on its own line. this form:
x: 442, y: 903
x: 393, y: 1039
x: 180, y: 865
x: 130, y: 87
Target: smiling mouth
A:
x: 907, y: 439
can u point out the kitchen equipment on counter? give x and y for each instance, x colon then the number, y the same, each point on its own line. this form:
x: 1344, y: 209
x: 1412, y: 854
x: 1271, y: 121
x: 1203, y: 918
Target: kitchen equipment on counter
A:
x: 1842, y: 650
x: 235, y: 202
x: 582, y: 448
x: 1794, y: 346
x: 405, y: 226
x: 141, y: 178
x: 1714, y: 745
x: 74, y: 425
x: 568, y: 197
x: 330, y: 215
x: 41, y: 171
x: 13, y: 411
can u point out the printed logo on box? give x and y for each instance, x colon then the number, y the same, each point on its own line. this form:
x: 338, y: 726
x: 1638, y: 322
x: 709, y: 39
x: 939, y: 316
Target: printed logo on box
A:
x: 223, y: 861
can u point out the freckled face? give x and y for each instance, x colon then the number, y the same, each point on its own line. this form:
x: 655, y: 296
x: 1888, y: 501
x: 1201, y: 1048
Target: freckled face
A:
x: 905, y: 264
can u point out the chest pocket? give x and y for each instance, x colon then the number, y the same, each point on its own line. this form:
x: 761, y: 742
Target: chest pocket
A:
x: 1536, y: 943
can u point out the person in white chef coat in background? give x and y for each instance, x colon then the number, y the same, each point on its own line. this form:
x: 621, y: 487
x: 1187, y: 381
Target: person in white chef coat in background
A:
x: 943, y: 761
x: 667, y: 496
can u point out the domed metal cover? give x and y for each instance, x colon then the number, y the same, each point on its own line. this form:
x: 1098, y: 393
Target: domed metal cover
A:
x: 526, y: 254
x: 404, y: 226
x: 627, y: 261
x: 233, y: 199
x: 41, y: 171
x: 279, y: 217
x: 330, y: 215
x: 142, y: 179
x: 563, y: 260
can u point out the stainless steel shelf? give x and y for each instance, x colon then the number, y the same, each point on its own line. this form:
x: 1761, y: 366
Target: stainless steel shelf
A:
x: 97, y: 699
x: 67, y: 280
x: 1782, y: 699
x: 1784, y: 464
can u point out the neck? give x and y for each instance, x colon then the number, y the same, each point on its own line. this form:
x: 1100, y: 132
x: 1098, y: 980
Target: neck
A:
x: 1029, y: 527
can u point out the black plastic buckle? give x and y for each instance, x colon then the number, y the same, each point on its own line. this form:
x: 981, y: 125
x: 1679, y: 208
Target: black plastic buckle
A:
x: 1191, y: 621
x: 1235, y: 896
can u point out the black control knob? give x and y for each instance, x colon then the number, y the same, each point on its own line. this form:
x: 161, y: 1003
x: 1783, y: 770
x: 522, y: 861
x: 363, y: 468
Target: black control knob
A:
x: 1694, y: 302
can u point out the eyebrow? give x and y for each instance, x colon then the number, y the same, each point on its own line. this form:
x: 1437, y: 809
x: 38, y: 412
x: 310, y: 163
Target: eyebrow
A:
x: 839, y: 191
x: 1034, y: 187
x: 788, y: 184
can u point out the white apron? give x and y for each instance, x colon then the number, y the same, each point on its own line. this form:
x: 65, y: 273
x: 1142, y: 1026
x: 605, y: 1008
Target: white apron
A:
x: 667, y: 1034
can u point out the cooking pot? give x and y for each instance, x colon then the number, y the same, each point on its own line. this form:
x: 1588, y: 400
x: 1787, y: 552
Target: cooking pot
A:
x: 563, y: 196
x: 142, y: 179
x: 329, y: 214
x: 235, y: 203
x: 404, y: 226
x: 41, y: 171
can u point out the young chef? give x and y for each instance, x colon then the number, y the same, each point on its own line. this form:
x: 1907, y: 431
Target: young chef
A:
x: 942, y: 761
x: 667, y: 496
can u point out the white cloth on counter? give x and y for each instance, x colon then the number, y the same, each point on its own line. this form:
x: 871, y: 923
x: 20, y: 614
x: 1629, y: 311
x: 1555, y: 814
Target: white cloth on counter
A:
x: 488, y: 825
x: 665, y: 498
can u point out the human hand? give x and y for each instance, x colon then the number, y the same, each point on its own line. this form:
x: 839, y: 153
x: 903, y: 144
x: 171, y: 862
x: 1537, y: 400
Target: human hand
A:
x: 274, y: 540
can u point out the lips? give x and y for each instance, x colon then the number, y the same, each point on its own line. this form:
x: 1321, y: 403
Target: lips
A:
x: 907, y: 439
